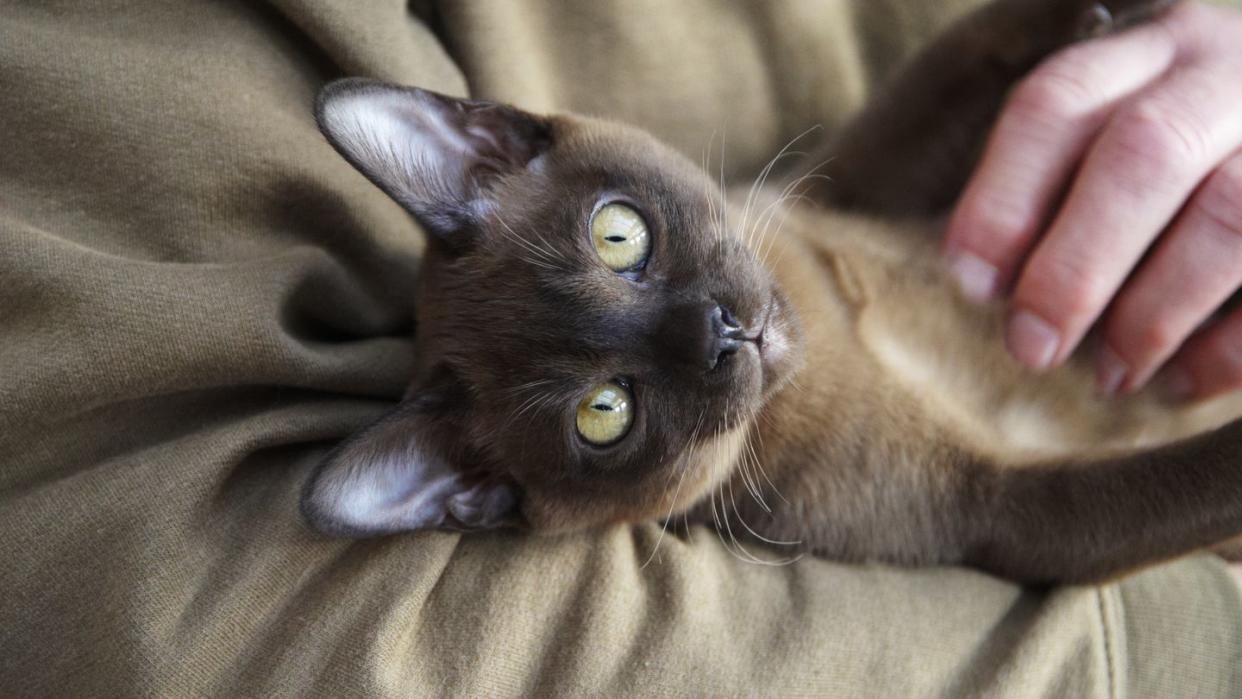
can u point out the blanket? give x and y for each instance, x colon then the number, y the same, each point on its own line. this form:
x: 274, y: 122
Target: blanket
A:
x: 199, y: 298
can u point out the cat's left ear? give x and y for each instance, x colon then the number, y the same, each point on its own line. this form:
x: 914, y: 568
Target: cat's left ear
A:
x: 433, y: 154
x: 398, y: 475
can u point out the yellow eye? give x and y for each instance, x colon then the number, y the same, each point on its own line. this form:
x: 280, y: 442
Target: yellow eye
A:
x: 605, y: 414
x: 620, y: 236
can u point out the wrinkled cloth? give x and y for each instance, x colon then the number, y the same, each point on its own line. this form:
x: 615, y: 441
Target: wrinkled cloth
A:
x: 198, y: 298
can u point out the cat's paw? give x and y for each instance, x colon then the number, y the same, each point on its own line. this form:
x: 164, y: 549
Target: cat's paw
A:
x: 1108, y: 16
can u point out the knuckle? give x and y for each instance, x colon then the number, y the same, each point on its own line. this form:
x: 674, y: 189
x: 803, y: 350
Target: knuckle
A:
x: 990, y: 224
x: 1158, y: 335
x: 1199, y: 26
x: 1153, y: 139
x: 1220, y: 199
x: 1053, y: 93
x: 1139, y: 337
x: 1071, y: 290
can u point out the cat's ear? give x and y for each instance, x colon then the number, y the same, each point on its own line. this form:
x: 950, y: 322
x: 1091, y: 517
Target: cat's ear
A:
x: 435, y: 155
x: 396, y: 475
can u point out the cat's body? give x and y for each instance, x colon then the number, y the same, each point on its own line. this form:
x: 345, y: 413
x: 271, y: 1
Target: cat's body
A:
x: 911, y: 386
x: 604, y: 337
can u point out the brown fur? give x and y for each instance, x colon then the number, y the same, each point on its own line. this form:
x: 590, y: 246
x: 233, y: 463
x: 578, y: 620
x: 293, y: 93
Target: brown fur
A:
x: 879, y: 418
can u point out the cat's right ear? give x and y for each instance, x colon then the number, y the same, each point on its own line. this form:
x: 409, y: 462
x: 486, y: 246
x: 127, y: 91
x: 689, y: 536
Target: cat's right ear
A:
x: 401, y: 474
x: 435, y: 155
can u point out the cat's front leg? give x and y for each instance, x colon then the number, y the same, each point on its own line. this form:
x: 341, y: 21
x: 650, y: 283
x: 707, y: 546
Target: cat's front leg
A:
x: 911, y: 150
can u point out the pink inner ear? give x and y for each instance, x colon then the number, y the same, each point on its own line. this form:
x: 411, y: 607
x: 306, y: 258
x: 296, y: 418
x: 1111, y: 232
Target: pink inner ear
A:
x: 411, y: 494
x: 386, y: 479
x: 367, y: 489
x: 424, y: 149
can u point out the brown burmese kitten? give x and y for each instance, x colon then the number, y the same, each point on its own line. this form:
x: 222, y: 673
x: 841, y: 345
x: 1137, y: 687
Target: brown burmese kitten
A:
x: 602, y: 338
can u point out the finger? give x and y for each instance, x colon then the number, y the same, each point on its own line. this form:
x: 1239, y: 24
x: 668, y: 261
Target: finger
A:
x: 1210, y: 363
x: 1193, y: 271
x: 1038, y: 141
x: 1139, y: 172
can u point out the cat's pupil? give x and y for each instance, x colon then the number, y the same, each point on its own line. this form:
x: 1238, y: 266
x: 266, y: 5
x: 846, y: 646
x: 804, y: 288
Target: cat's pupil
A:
x: 602, y: 406
x: 615, y: 239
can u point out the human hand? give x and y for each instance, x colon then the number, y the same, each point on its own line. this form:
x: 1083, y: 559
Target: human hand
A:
x: 1109, y: 149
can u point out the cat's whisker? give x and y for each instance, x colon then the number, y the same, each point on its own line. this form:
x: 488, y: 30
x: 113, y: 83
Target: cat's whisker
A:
x: 718, y: 515
x: 780, y: 257
x: 739, y: 549
x: 549, y: 260
x: 811, y: 174
x: 748, y: 478
x: 526, y: 405
x: 763, y: 472
x: 532, y: 405
x: 766, y: 216
x: 786, y: 196
x: 529, y: 404
x: 814, y: 172
x: 793, y: 383
x: 754, y: 559
x: 537, y: 263
x: 729, y: 420
x: 668, y: 479
x: 724, y: 208
x: 513, y: 235
x: 549, y: 399
x: 733, y: 546
x: 752, y: 532
x: 664, y: 524
x: 779, y: 202
x: 749, y: 461
x: 544, y: 244
x: 529, y: 385
x: 721, y: 522
x: 716, y: 520
x: 762, y: 178
x: 713, y: 210
x: 757, y: 186
x: 777, y: 234
x: 546, y: 400
x: 688, y: 462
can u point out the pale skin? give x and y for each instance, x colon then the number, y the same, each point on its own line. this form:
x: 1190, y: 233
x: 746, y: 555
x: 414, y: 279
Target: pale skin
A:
x: 1110, y: 197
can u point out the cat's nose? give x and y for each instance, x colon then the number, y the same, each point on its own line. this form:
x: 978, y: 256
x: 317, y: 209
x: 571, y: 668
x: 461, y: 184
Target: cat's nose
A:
x: 725, y: 336
x: 698, y: 336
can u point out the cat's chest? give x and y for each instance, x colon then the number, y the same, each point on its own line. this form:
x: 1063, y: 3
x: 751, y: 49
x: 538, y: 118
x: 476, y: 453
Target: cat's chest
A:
x: 885, y: 324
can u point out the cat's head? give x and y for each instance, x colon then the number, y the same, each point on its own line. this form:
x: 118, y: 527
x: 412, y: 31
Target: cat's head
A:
x: 594, y: 336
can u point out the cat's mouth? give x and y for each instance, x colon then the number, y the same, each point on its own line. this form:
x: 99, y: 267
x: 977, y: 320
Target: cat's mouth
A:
x: 776, y: 342
x: 761, y: 335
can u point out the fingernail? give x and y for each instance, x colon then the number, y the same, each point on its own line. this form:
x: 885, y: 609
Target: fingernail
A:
x: 1111, y: 372
x: 1032, y: 340
x: 1178, y: 384
x: 976, y: 278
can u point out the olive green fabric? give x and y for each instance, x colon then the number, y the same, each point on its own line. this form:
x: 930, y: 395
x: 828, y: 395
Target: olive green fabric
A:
x: 198, y: 298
